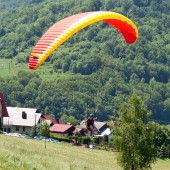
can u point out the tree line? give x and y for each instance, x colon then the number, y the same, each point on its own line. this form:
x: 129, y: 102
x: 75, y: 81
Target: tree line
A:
x: 100, y: 93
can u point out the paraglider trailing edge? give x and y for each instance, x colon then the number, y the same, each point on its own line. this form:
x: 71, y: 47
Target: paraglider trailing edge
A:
x: 67, y: 27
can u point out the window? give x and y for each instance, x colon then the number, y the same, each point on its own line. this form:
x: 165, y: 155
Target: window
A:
x: 24, y: 115
x: 17, y: 128
x: 23, y: 129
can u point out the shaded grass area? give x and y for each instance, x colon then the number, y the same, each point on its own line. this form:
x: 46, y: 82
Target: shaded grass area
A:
x: 25, y: 154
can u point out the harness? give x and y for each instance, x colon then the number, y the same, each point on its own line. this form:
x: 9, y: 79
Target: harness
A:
x: 89, y: 123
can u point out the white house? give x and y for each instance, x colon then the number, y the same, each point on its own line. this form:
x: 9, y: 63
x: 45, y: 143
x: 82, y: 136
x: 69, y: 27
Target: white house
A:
x: 21, y: 120
x: 106, y: 132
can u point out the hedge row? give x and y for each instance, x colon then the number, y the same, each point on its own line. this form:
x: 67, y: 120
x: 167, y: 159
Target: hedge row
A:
x: 83, y: 139
x: 64, y: 139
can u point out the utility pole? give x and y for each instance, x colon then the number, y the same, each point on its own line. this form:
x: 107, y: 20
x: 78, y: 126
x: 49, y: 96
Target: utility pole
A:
x: 35, y: 125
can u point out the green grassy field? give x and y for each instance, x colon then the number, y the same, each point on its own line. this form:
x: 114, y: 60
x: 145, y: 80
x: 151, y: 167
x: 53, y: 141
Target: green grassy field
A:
x: 9, y: 67
x: 25, y: 154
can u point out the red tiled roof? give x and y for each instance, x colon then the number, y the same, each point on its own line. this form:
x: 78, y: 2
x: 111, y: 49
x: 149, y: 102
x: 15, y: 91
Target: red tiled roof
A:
x: 4, y: 110
x: 60, y: 128
x: 47, y: 117
x: 54, y: 121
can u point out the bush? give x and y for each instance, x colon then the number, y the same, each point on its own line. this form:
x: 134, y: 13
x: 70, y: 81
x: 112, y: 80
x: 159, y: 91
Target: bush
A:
x: 79, y: 139
x: 105, y: 139
x: 84, y: 140
x: 64, y: 139
x: 111, y: 144
x: 163, y: 152
x: 101, y: 147
x: 96, y: 140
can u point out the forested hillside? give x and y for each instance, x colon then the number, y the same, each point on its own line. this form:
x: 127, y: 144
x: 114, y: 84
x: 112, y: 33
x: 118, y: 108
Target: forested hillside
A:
x: 103, y: 70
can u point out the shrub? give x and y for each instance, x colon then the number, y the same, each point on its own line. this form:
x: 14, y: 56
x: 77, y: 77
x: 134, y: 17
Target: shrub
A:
x: 85, y: 140
x: 64, y: 139
x: 100, y: 147
x: 105, y: 139
x: 96, y: 140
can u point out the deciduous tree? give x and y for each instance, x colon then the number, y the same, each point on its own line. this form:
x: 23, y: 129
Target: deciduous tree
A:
x: 134, y: 137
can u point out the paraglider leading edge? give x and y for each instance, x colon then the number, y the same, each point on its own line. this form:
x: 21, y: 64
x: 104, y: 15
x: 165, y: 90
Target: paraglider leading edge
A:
x: 67, y: 27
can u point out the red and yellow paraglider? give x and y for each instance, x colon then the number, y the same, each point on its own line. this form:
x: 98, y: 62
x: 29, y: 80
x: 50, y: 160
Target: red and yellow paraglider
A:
x: 65, y: 28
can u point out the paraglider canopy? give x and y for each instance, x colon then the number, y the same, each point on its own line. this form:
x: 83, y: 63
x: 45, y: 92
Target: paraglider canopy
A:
x: 65, y: 28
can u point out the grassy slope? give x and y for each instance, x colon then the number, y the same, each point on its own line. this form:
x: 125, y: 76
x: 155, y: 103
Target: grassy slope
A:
x: 17, y: 153
x: 8, y: 67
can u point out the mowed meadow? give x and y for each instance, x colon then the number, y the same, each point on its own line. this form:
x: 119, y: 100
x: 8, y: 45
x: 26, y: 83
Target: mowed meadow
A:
x: 10, y: 67
x: 25, y: 154
x: 17, y: 153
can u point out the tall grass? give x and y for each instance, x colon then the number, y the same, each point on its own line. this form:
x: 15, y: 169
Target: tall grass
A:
x: 18, y: 153
x: 27, y: 154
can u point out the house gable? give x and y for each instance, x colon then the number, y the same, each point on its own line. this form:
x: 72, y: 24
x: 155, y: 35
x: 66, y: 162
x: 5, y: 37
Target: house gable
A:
x: 22, y: 117
x: 51, y: 121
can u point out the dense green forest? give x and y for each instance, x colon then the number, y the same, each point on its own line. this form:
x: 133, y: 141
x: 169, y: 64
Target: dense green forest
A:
x: 103, y: 70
